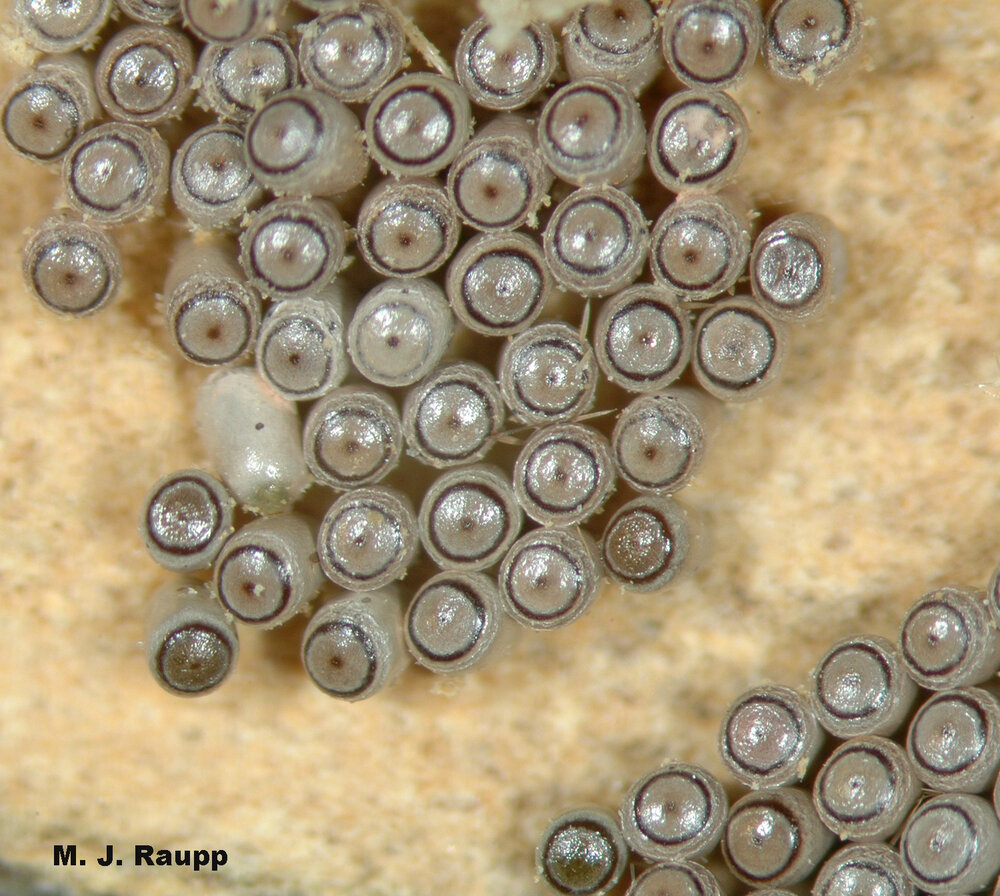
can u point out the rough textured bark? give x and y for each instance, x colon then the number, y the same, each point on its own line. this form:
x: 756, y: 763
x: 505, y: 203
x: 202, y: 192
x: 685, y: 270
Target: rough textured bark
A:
x: 865, y: 477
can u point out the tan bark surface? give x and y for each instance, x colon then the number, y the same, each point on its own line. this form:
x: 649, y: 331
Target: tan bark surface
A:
x: 866, y: 477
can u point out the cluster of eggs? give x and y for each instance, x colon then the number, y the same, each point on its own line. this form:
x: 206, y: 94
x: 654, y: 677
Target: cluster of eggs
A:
x: 371, y: 375
x: 894, y: 748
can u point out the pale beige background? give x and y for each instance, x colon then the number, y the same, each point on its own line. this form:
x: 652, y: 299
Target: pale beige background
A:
x: 870, y: 474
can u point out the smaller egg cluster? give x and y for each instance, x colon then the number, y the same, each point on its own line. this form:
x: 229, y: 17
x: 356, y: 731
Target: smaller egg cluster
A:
x: 894, y: 748
x: 408, y: 410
